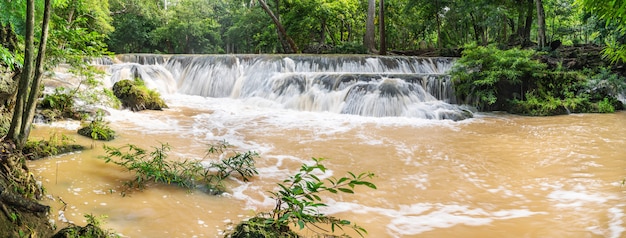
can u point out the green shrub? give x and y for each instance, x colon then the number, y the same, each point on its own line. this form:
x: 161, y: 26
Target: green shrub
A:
x: 486, y: 77
x: 297, y: 202
x: 61, y: 101
x: 535, y: 106
x: 605, y: 106
x: 155, y: 166
x: 12, y: 60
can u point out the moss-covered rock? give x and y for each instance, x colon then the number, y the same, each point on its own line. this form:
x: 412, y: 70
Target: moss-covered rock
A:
x: 256, y: 228
x: 134, y: 95
x: 98, y: 132
x: 55, y: 145
x: 79, y: 231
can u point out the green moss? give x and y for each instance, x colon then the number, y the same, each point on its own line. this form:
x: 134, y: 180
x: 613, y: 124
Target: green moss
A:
x: 136, y: 96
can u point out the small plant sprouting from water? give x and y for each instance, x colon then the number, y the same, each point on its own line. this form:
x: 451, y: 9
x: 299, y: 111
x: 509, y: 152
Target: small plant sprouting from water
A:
x: 155, y: 166
x: 298, y: 201
x: 98, y: 128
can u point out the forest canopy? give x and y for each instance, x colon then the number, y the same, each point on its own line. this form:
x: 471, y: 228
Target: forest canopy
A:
x: 317, y: 26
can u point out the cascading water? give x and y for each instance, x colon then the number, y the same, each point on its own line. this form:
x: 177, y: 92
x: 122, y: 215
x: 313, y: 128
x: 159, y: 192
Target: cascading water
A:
x: 360, y: 85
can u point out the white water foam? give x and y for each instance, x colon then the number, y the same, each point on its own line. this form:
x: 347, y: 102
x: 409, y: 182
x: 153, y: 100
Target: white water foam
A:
x: 418, y: 218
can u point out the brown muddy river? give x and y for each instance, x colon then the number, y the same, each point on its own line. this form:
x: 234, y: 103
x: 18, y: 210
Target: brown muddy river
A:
x: 495, y: 175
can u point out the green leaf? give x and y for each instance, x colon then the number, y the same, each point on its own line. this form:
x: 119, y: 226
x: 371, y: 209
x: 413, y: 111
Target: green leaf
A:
x: 301, y: 224
x: 345, y: 190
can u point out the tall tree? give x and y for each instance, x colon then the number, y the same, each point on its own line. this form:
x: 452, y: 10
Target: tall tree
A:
x: 28, y: 86
x: 291, y: 46
x: 541, y: 24
x: 381, y: 28
x: 368, y: 39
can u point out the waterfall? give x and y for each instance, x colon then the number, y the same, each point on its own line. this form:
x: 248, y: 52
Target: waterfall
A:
x: 155, y: 76
x: 379, y: 86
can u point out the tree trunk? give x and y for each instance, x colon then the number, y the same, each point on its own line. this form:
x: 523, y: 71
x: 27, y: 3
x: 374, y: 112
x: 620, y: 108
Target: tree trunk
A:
x: 541, y: 25
x: 28, y: 86
x: 15, y: 131
x: 368, y: 39
x: 281, y: 39
x: 34, y: 88
x: 439, y: 43
x: 529, y: 22
x: 478, y: 30
x: 381, y: 20
x: 292, y: 45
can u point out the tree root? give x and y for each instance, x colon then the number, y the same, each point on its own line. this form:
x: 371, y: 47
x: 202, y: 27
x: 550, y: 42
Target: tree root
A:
x: 21, y: 203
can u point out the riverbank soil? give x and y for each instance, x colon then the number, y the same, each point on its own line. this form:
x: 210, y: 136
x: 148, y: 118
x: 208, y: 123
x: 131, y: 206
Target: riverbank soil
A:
x: 21, y: 215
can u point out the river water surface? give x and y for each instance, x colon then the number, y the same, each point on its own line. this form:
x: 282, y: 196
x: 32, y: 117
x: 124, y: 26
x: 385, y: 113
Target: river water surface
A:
x: 495, y: 175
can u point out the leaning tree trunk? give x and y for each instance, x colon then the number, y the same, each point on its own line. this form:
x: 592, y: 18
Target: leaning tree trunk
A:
x: 541, y: 25
x: 27, y: 91
x: 15, y: 132
x: 281, y: 29
x: 34, y: 88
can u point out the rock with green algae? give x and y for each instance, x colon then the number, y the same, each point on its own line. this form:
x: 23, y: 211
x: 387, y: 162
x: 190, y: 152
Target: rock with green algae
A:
x: 257, y: 228
x: 97, y: 132
x: 89, y: 230
x: 135, y: 96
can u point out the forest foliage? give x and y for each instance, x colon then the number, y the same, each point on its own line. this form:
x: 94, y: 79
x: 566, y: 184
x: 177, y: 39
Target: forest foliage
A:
x: 82, y: 28
x: 89, y: 27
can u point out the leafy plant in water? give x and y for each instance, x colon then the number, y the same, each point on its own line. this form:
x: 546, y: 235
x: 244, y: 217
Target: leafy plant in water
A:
x: 156, y: 167
x: 98, y: 128
x: 298, y: 201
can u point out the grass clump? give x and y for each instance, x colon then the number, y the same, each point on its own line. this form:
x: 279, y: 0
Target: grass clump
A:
x: 155, y: 166
x: 297, y: 203
x: 54, y: 145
